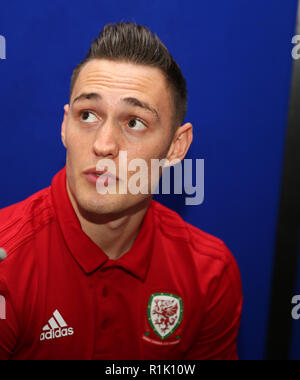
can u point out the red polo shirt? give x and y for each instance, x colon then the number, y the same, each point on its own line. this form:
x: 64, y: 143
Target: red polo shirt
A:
x: 175, y: 295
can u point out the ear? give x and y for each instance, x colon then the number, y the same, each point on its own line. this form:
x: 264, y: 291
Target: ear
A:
x: 181, y: 143
x: 64, y: 125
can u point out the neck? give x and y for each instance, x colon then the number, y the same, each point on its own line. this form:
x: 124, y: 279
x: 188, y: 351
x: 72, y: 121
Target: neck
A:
x: 113, y: 234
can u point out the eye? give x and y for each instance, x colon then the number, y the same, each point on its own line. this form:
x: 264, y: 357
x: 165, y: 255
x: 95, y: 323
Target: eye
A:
x: 136, y: 125
x: 88, y: 117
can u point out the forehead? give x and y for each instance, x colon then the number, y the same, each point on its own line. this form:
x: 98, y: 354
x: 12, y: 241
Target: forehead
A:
x: 116, y: 79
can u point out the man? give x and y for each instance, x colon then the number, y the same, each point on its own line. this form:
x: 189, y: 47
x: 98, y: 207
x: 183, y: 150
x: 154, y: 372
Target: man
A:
x: 92, y: 275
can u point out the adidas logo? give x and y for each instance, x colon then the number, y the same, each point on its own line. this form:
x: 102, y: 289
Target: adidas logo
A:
x: 56, y: 328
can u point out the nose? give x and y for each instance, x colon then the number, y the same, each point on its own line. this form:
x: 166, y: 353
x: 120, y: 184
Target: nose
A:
x: 106, y: 140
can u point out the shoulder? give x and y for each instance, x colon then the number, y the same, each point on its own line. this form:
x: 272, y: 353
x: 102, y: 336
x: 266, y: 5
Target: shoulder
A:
x: 203, y: 246
x: 21, y: 221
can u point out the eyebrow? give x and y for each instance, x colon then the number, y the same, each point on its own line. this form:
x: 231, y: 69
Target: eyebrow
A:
x: 130, y: 100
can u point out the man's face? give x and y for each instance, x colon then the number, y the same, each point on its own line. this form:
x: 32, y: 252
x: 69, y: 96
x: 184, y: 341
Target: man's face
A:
x: 130, y: 110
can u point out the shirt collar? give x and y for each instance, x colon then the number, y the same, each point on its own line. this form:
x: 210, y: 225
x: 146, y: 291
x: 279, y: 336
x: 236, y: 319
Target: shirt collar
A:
x: 86, y: 253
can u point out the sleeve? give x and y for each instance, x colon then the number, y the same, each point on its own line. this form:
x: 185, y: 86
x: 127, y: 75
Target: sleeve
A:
x: 8, y: 324
x: 219, y: 330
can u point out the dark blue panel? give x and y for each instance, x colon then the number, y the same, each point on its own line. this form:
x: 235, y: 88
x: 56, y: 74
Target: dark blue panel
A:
x: 236, y: 55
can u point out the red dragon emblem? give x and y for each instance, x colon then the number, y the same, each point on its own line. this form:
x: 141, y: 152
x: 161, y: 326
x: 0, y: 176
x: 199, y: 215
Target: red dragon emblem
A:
x: 164, y: 314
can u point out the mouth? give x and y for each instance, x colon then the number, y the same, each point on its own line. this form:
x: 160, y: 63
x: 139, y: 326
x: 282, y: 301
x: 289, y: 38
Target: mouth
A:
x: 104, y: 177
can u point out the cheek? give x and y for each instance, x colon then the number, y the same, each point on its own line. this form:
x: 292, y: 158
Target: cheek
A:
x: 77, y: 143
x: 155, y: 147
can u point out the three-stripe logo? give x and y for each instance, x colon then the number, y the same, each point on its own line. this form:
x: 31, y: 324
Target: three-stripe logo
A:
x: 56, y: 328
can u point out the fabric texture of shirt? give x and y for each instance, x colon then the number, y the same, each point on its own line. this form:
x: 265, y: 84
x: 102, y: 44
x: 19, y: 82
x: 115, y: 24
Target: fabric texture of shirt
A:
x: 176, y: 294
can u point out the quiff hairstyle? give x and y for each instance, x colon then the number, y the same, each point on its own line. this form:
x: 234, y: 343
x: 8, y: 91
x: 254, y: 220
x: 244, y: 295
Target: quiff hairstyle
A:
x: 129, y: 42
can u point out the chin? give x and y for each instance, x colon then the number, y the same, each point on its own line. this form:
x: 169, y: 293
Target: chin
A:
x: 113, y: 204
x: 97, y: 205
x: 103, y: 204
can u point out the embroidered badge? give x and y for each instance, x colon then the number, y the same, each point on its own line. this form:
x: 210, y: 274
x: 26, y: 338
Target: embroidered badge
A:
x: 165, y: 313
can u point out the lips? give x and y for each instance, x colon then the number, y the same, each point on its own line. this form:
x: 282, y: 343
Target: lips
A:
x: 93, y: 175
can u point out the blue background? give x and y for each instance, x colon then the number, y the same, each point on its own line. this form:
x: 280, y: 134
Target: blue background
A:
x: 236, y: 56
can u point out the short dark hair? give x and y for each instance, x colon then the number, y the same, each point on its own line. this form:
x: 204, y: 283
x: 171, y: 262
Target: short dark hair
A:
x: 130, y: 42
